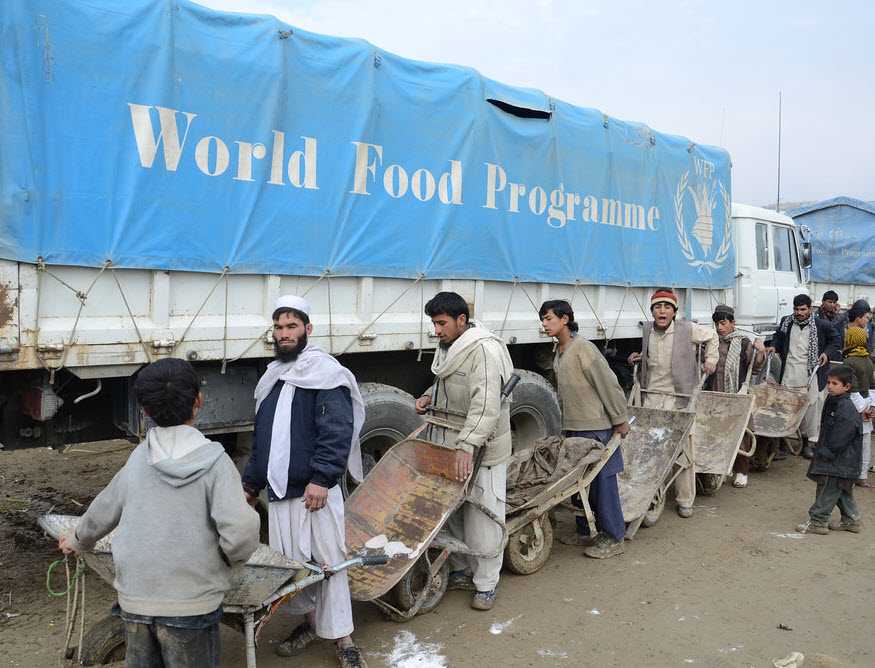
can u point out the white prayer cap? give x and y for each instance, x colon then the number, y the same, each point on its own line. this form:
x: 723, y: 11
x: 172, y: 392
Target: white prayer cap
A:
x: 293, y: 301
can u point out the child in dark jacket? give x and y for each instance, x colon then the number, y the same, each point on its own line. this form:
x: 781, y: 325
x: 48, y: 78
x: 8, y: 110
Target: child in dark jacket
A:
x: 837, y: 458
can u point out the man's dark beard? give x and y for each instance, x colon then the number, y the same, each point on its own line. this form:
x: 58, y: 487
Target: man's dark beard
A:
x: 290, y: 355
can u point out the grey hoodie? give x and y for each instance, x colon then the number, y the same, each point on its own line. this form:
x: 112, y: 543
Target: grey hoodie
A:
x: 182, y: 523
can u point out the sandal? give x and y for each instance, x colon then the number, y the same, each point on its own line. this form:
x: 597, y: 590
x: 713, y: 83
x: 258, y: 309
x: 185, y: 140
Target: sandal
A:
x: 297, y: 642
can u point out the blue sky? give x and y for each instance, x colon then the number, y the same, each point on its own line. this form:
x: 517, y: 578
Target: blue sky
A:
x: 708, y: 70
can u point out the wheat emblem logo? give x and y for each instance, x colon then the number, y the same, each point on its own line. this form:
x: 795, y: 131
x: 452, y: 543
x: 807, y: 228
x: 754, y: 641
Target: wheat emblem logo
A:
x: 704, y: 199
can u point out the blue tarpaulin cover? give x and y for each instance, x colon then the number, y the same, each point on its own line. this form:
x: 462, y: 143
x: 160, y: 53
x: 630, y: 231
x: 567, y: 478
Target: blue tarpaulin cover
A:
x: 163, y: 135
x: 842, y: 234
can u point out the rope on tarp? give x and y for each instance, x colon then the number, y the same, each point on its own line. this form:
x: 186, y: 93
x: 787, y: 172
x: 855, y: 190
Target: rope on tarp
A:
x: 418, y: 280
x: 82, y: 296
x: 198, y: 312
x: 133, y: 319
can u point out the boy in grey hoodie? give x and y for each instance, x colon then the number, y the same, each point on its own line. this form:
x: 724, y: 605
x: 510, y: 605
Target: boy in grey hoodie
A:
x: 181, y: 523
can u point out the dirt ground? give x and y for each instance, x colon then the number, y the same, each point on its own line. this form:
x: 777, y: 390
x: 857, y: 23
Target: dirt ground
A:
x: 709, y: 591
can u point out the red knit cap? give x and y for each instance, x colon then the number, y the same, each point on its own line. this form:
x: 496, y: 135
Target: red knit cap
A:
x: 666, y: 296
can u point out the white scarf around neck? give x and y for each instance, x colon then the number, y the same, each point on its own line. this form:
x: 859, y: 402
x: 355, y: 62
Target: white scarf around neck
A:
x: 314, y: 369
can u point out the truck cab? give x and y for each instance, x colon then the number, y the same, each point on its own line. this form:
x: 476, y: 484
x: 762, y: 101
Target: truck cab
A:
x: 771, y: 259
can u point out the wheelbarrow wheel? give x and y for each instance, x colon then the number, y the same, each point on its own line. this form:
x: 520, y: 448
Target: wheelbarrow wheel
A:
x: 709, y: 483
x: 529, y: 548
x: 651, y: 517
x: 104, y: 643
x: 416, y: 580
x: 765, y: 453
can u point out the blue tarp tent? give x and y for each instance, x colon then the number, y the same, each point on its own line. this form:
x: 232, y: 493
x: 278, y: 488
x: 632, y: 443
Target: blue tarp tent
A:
x: 842, y: 233
x: 163, y: 135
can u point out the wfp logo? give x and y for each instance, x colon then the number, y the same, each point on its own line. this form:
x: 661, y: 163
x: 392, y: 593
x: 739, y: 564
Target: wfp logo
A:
x: 701, y: 195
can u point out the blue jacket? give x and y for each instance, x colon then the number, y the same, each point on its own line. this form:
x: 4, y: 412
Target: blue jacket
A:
x: 321, y: 433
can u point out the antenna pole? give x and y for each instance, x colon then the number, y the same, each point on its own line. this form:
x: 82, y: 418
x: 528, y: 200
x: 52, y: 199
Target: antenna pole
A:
x: 778, y: 200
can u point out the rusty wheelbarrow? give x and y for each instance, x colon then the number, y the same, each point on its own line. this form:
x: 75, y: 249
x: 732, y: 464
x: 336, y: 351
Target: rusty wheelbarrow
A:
x: 719, y: 430
x: 656, y: 450
x: 777, y: 414
x: 258, y: 589
x: 540, y: 478
x: 401, y: 508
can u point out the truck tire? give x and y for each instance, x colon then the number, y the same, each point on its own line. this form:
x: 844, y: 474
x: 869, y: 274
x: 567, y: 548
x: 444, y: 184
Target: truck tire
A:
x: 534, y: 412
x: 104, y: 643
x: 390, y: 416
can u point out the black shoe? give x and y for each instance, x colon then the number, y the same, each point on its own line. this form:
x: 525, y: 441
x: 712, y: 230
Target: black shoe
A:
x: 807, y: 452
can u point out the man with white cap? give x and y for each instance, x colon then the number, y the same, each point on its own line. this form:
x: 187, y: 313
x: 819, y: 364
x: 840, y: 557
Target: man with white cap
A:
x: 669, y: 357
x: 309, y: 414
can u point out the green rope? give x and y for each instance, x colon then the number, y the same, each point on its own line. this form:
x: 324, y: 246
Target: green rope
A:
x: 80, y: 569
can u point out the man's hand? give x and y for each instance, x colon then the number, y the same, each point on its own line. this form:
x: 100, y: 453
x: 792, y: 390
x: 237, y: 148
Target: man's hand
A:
x: 634, y: 358
x: 64, y: 545
x: 758, y: 345
x: 769, y: 350
x: 709, y: 367
x: 823, y: 360
x: 250, y: 498
x: 464, y: 465
x: 423, y: 403
x: 622, y: 429
x: 315, y: 497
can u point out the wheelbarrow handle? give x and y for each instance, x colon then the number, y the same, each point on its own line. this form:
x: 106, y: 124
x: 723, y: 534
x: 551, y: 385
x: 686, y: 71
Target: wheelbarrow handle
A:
x: 375, y: 560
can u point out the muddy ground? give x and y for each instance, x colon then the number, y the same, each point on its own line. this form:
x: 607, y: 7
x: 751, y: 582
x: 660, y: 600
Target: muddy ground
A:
x: 732, y: 586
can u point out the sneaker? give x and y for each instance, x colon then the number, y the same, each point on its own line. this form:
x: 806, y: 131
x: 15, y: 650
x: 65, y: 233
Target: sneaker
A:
x: 483, y: 600
x: 577, y: 539
x: 809, y: 526
x: 350, y: 657
x: 854, y: 526
x: 740, y: 480
x: 872, y: 468
x: 685, y: 511
x: 297, y: 642
x: 460, y: 580
x: 807, y: 451
x: 604, y: 548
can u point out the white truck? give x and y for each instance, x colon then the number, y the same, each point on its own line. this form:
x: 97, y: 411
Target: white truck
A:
x: 157, y: 202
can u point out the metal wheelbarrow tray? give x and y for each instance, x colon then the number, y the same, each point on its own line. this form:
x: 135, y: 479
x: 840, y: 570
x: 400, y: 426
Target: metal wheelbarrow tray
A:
x: 657, y: 440
x: 407, y: 497
x: 777, y: 410
x: 718, y: 431
x: 257, y: 589
x: 529, y: 527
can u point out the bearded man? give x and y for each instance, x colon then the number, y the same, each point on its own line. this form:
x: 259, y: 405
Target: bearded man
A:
x: 309, y: 414
x: 805, y: 345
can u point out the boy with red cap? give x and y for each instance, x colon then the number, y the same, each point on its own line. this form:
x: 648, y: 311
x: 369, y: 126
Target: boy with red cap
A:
x: 669, y: 364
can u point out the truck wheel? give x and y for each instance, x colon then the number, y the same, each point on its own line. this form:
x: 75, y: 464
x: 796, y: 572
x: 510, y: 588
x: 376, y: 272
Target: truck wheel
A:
x: 104, y: 643
x: 534, y: 412
x: 390, y: 417
x: 416, y: 580
x: 709, y: 483
x: 529, y: 548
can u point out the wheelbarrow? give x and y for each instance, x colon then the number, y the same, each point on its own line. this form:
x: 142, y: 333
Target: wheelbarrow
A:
x: 657, y: 449
x: 540, y: 478
x: 777, y: 414
x: 258, y: 589
x: 401, y: 508
x: 719, y: 430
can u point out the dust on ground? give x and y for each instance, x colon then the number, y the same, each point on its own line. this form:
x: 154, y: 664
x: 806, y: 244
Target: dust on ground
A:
x: 735, y: 585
